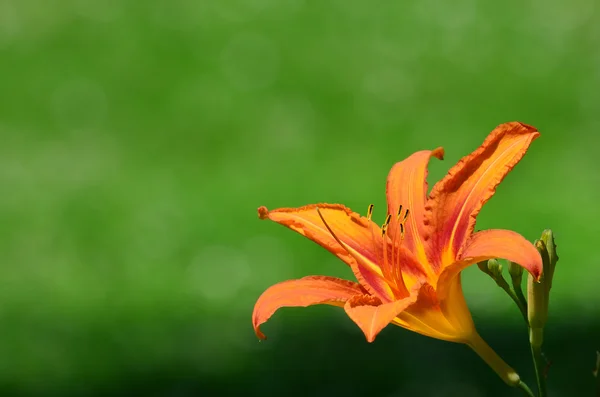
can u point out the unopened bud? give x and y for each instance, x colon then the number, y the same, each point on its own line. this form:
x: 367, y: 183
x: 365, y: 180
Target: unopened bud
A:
x: 548, y: 239
x: 483, y: 266
x: 495, y: 271
x: 537, y: 297
x: 516, y: 273
x: 495, y: 268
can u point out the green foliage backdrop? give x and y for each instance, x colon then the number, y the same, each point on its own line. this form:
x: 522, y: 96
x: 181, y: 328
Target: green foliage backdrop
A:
x: 137, y: 140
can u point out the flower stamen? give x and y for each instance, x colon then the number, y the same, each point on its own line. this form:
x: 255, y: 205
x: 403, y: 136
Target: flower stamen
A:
x: 385, y: 225
x: 397, y: 244
x: 396, y: 266
x: 386, y: 266
x: 392, y: 269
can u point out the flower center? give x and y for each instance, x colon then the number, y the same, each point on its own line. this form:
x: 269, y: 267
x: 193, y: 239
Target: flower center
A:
x: 387, y: 252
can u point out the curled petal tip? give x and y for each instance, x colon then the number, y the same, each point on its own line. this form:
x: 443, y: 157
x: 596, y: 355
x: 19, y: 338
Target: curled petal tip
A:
x: 438, y: 153
x: 259, y: 334
x: 527, y: 126
x: 263, y: 212
x: 536, y: 270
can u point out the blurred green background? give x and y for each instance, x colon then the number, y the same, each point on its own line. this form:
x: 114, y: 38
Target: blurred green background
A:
x: 138, y: 138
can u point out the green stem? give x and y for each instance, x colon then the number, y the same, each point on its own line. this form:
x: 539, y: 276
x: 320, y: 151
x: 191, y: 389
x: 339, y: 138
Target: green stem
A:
x: 538, y: 361
x: 597, y: 374
x: 526, y: 390
x: 517, y: 284
x: 506, y: 373
x: 519, y: 300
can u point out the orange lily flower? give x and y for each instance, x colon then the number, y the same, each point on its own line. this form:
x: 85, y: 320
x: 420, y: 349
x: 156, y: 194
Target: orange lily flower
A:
x: 408, y: 270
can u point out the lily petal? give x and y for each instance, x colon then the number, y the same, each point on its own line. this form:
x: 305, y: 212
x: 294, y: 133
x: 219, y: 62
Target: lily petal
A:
x: 489, y: 244
x: 413, y: 271
x: 407, y: 186
x: 428, y: 317
x: 455, y: 308
x: 456, y: 200
x: 307, y: 291
x: 362, y: 239
x: 372, y: 316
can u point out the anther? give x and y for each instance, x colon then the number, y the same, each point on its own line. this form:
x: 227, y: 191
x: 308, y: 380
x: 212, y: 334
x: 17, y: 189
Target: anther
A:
x: 384, y: 228
x: 402, y: 219
x: 370, y: 212
x: 388, y: 219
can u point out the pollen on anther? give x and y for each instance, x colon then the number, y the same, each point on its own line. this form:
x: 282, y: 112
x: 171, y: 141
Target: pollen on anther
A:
x: 370, y: 212
x: 385, y: 225
x: 388, y: 219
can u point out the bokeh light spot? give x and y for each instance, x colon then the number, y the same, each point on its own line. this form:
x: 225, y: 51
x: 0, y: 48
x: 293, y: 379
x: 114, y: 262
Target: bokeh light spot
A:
x: 80, y: 103
x: 218, y: 273
x: 250, y: 62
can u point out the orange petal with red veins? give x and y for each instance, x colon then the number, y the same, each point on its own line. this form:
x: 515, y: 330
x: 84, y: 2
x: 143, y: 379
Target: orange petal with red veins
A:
x: 456, y: 200
x: 413, y: 271
x: 361, y: 237
x: 489, y: 244
x: 407, y: 186
x: 307, y: 291
x: 372, y: 316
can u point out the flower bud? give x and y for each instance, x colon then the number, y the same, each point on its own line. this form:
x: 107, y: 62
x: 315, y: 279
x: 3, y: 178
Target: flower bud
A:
x: 516, y: 273
x: 548, y: 239
x: 483, y: 266
x: 495, y: 268
x: 537, y: 297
